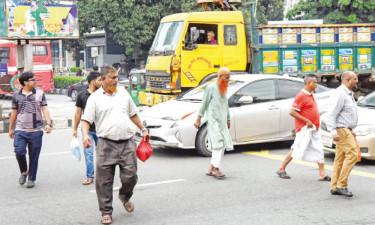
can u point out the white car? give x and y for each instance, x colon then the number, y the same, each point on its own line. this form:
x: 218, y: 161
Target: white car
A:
x: 365, y: 129
x: 259, y: 109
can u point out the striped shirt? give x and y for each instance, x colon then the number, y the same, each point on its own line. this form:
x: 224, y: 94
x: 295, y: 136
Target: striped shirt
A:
x: 343, y: 111
x: 29, y: 110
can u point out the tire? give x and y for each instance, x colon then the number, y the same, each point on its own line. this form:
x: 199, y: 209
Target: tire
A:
x: 208, y: 78
x: 201, y: 142
x: 74, y: 95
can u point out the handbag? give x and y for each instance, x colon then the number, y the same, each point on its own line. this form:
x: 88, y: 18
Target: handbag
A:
x: 144, y: 149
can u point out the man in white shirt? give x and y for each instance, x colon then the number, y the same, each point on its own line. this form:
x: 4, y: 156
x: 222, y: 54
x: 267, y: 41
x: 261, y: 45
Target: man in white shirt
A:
x: 109, y: 108
x: 342, y: 119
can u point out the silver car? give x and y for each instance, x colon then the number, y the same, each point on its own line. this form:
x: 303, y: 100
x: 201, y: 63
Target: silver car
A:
x: 259, y: 109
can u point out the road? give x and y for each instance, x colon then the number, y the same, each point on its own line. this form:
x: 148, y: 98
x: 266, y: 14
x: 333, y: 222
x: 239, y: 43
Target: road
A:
x: 173, y: 189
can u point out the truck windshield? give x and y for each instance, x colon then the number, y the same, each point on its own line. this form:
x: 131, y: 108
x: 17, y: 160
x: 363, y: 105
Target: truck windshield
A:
x: 4, y: 55
x: 167, y: 37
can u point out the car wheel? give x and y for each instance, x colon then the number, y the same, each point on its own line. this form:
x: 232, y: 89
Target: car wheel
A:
x: 201, y: 143
x: 74, y: 95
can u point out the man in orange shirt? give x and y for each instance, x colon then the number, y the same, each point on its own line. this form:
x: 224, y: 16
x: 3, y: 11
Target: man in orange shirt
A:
x: 307, y: 145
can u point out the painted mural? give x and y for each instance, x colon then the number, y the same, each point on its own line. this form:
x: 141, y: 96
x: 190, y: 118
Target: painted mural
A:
x: 41, y: 19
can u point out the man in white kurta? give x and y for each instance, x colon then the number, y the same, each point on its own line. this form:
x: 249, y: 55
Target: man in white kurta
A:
x: 215, y: 105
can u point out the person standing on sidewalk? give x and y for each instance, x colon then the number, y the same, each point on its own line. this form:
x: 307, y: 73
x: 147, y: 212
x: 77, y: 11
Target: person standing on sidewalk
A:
x: 342, y: 119
x: 27, y: 107
x: 109, y: 107
x: 95, y: 81
x: 215, y: 105
x: 307, y: 145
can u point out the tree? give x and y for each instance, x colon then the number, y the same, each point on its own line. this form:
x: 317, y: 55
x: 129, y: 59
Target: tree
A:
x: 269, y: 10
x: 335, y: 11
x: 132, y: 23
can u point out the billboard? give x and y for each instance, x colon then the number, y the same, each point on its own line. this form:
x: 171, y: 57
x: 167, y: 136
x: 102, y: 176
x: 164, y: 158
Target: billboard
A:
x: 38, y: 19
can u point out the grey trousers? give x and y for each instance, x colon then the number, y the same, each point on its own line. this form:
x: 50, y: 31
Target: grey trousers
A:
x: 109, y: 154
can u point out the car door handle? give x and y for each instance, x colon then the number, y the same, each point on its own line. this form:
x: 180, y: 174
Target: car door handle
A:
x: 273, y: 107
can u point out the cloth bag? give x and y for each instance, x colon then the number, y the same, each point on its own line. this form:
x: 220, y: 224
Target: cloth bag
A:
x: 308, y: 145
x: 144, y: 149
x: 75, y: 149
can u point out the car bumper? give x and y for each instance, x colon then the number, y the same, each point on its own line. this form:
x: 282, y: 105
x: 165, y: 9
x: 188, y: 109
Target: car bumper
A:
x: 366, y: 144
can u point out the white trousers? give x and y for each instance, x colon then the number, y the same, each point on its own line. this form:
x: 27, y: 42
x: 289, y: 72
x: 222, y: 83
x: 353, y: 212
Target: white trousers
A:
x: 217, y: 156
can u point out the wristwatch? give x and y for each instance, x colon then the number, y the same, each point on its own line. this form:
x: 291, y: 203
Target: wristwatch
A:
x: 144, y: 129
x: 49, y: 124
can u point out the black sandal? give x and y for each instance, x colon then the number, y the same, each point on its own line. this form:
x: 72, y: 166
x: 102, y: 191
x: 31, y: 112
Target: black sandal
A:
x: 283, y: 175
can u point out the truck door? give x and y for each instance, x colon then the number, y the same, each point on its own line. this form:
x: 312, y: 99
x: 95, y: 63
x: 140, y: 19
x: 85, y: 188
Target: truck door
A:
x: 234, y: 48
x: 199, y: 57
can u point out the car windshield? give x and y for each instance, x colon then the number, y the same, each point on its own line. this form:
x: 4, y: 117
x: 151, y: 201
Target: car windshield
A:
x: 167, y: 37
x: 368, y: 101
x: 196, y: 94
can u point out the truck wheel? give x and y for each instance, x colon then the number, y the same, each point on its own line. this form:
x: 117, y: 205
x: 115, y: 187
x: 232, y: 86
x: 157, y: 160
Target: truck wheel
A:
x: 201, y: 142
x: 208, y: 78
x: 74, y: 95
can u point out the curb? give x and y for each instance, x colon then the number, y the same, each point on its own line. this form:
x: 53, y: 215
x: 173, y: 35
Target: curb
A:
x: 58, y: 123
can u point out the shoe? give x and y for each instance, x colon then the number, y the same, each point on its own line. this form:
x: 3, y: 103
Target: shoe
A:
x: 344, y: 191
x: 334, y: 192
x: 30, y: 184
x: 22, y: 179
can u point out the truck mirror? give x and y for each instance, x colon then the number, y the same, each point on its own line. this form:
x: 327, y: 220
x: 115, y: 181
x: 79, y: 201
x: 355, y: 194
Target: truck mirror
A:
x: 194, y: 46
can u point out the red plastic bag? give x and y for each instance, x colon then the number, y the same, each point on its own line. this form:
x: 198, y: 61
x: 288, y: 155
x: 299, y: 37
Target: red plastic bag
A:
x: 144, y: 149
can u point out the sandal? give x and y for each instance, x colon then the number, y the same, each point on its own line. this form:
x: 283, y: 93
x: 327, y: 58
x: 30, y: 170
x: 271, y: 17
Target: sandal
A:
x: 283, y: 175
x: 129, y: 207
x: 210, y: 173
x: 87, y: 181
x: 218, y: 175
x: 106, y: 219
x: 326, y: 178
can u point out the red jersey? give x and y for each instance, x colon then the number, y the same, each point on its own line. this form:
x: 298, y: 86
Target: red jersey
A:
x: 306, y: 106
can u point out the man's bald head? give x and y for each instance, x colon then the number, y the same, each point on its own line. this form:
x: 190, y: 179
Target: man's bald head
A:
x: 223, y: 71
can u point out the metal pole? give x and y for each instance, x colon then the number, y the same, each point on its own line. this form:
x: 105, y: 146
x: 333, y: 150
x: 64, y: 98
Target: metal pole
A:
x: 60, y: 55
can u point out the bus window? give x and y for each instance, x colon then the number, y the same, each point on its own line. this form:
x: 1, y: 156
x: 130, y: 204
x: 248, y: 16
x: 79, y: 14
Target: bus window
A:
x: 4, y: 55
x: 40, y: 50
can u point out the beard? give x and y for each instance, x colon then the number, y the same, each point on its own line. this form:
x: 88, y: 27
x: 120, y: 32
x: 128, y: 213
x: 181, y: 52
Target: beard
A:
x: 113, y: 89
x: 223, y: 86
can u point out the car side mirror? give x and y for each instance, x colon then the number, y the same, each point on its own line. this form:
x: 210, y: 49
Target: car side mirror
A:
x: 245, y: 100
x: 360, y: 98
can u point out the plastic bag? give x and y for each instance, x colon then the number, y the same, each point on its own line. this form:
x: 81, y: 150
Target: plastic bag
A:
x: 74, y: 147
x: 144, y: 149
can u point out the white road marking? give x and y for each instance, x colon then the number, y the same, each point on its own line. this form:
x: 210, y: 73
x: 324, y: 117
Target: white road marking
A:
x: 47, y: 154
x: 148, y: 184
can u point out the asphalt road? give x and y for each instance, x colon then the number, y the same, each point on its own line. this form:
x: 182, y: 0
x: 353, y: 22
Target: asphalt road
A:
x: 173, y: 189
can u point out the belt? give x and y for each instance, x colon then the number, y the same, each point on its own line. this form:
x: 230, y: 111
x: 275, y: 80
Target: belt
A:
x: 116, y: 141
x: 346, y: 128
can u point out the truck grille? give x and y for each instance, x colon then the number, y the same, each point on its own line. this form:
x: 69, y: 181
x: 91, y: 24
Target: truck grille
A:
x: 158, y: 82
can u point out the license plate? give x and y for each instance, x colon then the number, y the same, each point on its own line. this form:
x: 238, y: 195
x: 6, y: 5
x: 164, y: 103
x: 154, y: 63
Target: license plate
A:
x: 327, y: 141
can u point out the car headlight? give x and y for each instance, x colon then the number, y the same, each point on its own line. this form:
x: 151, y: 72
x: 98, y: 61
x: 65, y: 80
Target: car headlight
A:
x: 178, y: 136
x: 364, y: 130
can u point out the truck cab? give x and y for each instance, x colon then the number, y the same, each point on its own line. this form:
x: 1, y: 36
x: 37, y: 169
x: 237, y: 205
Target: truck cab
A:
x: 182, y: 56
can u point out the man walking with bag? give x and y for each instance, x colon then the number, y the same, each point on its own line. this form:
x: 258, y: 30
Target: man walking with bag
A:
x: 95, y: 81
x: 307, y: 145
x: 27, y: 107
x: 215, y: 105
x: 108, y: 108
x: 342, y: 119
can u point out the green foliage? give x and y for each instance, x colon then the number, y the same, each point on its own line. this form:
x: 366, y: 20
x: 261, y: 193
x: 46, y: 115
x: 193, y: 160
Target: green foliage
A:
x: 269, y: 10
x: 335, y: 11
x: 75, y: 69
x: 133, y: 23
x: 63, y: 82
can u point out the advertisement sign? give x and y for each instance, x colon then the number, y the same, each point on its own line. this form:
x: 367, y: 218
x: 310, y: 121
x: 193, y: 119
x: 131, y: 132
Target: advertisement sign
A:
x: 270, y: 62
x: 346, y: 59
x: 309, y: 60
x: 3, y: 69
x: 290, y: 61
x: 3, y: 23
x: 328, y: 60
x: 39, y: 19
x: 364, y: 59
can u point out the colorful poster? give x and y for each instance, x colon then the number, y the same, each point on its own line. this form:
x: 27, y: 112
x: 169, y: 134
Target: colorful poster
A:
x: 35, y: 19
x: 364, y: 59
x: 327, y: 38
x: 290, y: 64
x: 364, y: 37
x: 346, y: 37
x: 364, y: 30
x: 308, y: 30
x: 3, y: 23
x: 345, y: 29
x: 269, y: 31
x: 327, y: 60
x: 270, y: 62
x: 308, y: 38
x: 346, y: 59
x: 327, y: 30
x: 289, y: 30
x: 309, y: 60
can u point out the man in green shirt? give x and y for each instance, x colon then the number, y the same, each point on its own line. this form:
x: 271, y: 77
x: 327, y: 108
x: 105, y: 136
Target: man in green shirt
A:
x: 215, y: 105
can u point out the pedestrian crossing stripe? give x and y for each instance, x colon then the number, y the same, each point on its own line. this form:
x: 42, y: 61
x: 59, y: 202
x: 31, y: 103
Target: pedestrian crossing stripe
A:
x: 265, y: 154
